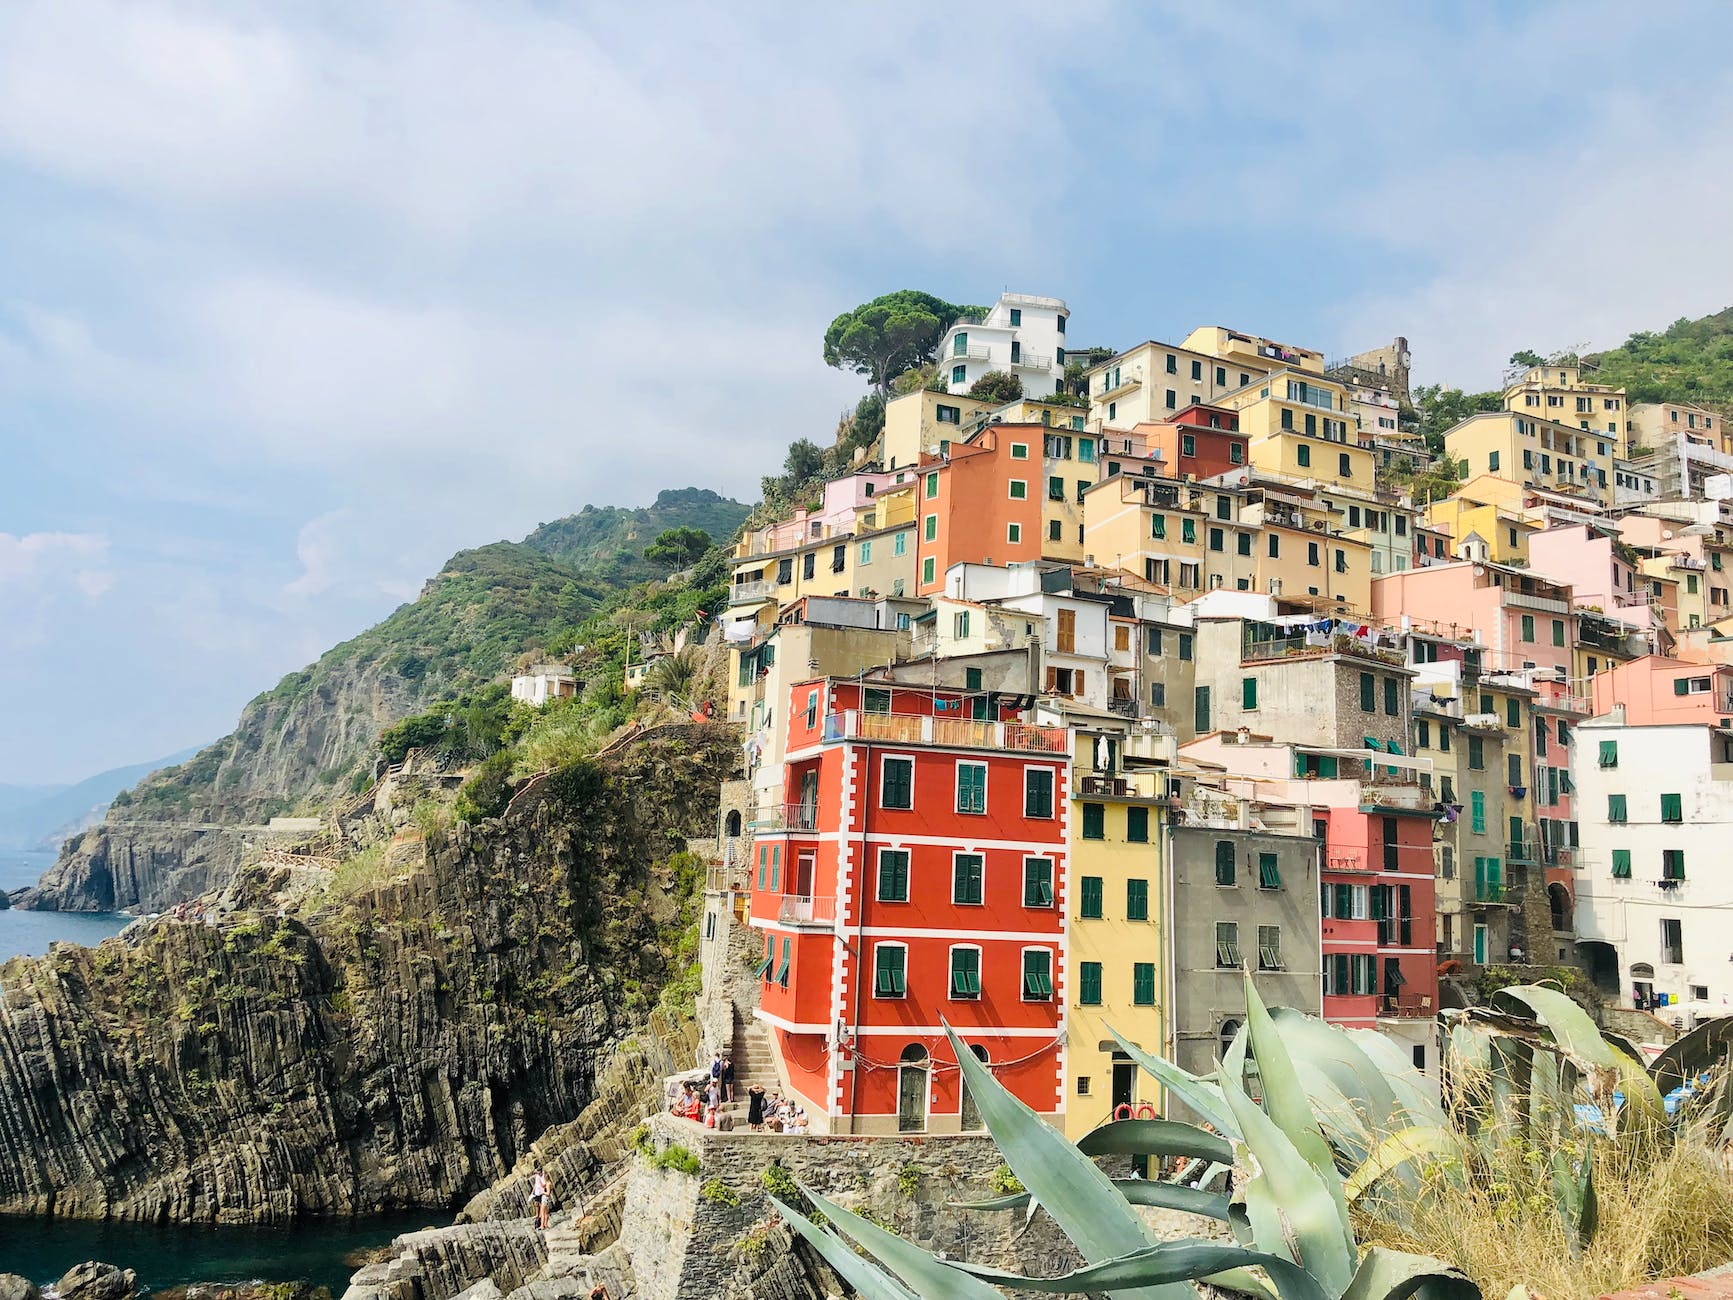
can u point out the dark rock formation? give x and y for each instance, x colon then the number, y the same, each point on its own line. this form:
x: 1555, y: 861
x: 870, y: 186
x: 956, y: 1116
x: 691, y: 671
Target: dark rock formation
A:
x: 94, y: 1280
x: 399, y: 1045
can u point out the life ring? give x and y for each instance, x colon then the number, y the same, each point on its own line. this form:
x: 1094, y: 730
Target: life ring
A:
x: 1145, y: 1111
x: 1122, y: 1111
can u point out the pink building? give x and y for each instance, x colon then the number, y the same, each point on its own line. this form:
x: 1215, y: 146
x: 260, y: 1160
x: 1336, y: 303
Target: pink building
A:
x: 1656, y: 690
x: 1602, y: 573
x: 1523, y: 621
x: 843, y: 497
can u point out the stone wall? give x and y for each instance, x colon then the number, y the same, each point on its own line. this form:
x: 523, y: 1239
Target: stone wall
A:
x: 687, y: 1241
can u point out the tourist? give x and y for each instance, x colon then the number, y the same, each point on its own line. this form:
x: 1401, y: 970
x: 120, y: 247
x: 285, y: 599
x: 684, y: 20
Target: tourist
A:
x: 755, y: 1108
x: 716, y: 1067
x: 540, y: 1197
x: 727, y: 1078
x: 686, y: 1104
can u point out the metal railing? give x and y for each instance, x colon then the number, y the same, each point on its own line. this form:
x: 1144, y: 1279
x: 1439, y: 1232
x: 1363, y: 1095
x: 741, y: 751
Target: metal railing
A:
x: 785, y: 817
x: 799, y: 909
x: 1520, y: 851
x: 1405, y: 1006
x: 955, y: 733
x: 742, y: 592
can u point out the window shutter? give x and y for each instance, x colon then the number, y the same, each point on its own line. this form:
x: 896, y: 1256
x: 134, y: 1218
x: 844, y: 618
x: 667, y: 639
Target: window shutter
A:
x: 1052, y: 679
x: 1680, y: 685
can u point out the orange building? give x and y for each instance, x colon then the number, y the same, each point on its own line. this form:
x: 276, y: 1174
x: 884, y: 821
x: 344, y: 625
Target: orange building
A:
x: 1656, y: 690
x: 982, y: 502
x: 916, y: 874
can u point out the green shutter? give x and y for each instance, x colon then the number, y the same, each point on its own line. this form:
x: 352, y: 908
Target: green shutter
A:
x: 893, y: 876
x: 1094, y: 821
x: 1621, y: 864
x: 889, y: 971
x: 1037, y: 882
x: 1672, y: 808
x: 1090, y: 903
x: 1269, y: 874
x: 1137, y: 900
x: 971, y: 787
x: 1089, y: 984
x: 1137, y: 825
x: 966, y: 878
x: 1143, y: 983
x: 1477, y: 811
x: 1609, y: 753
x: 1615, y: 807
x: 965, y: 972
x: 1037, y: 975
x: 1226, y: 861
x: 1680, y: 685
x: 1249, y: 693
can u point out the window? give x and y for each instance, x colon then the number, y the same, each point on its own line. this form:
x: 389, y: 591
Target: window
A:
x: 1269, y: 947
x: 1609, y: 753
x: 1513, y: 770
x: 1269, y: 873
x: 971, y: 787
x: 930, y: 528
x: 1226, y: 861
x: 932, y: 488
x: 1513, y: 713
x: 1672, y: 864
x: 1137, y: 825
x: 1492, y: 462
x: 1019, y: 490
x: 782, y: 967
x: 959, y: 374
x: 1172, y: 399
x: 1065, y: 632
x: 1197, y: 370
x: 1672, y: 808
x: 1621, y: 864
x: 1013, y: 533
x: 1094, y: 821
x: 966, y: 879
x: 890, y: 970
x: 1037, y: 882
x: 1227, y: 944
x: 1368, y: 693
x: 960, y: 625
x: 1187, y: 444
x: 1302, y: 453
x: 1528, y: 627
x: 1216, y: 539
x: 900, y: 544
x: 928, y: 567
x: 1038, y: 792
x: 1088, y: 990
x: 965, y: 972
x: 897, y: 783
x: 1037, y: 975
x: 1188, y: 530
x: 1200, y: 708
x: 1344, y: 465
x: 1476, y: 754
x: 1392, y: 697
x: 1477, y: 811
x: 1243, y: 543
x: 893, y: 876
x: 1672, y: 941
x: 1089, y: 898
x: 1137, y: 900
x: 1185, y: 646
x: 1143, y: 983
x: 1558, y: 631
x: 1615, y: 808
x: 1236, y: 454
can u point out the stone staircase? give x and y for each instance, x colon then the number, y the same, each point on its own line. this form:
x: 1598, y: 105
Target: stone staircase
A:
x: 754, y: 1062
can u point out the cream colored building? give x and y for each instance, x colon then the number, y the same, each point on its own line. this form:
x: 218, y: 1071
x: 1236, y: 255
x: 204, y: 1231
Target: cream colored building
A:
x: 920, y: 424
x: 1557, y: 393
x: 1297, y: 425
x: 1152, y: 382
x: 1653, y: 423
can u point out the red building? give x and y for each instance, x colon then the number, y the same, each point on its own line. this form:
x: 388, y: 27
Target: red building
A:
x: 1202, y: 441
x: 915, y: 874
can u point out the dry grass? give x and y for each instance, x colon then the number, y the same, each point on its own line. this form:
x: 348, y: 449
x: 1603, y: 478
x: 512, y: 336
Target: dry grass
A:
x: 360, y: 872
x: 1666, y: 1209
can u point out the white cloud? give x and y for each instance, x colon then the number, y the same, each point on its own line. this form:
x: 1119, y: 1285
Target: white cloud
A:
x: 39, y: 572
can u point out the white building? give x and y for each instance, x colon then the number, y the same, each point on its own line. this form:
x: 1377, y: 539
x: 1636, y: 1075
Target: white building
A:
x: 1022, y: 334
x: 1655, y: 806
x: 542, y: 683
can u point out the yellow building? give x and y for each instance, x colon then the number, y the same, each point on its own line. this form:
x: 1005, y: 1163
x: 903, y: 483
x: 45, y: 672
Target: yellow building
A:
x: 1470, y: 514
x: 1298, y: 426
x: 1152, y: 382
x: 1534, y: 452
x: 921, y: 423
x: 1251, y: 350
x: 1557, y: 393
x: 1155, y: 529
x: 884, y: 544
x: 1116, y: 927
x: 1299, y: 555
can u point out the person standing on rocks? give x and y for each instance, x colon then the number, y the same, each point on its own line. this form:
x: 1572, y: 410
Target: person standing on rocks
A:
x: 727, y: 1078
x: 540, y: 1197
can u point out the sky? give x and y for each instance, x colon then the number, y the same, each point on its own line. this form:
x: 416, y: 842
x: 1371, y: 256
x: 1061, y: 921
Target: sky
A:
x: 297, y: 300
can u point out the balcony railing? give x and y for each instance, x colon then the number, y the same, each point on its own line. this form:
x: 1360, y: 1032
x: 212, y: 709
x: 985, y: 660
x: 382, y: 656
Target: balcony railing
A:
x: 785, y: 817
x: 744, y: 593
x: 954, y: 733
x: 1033, y: 361
x: 972, y: 352
x: 1488, y: 892
x: 1545, y: 604
x: 1520, y: 851
x: 804, y: 909
x: 1405, y: 1006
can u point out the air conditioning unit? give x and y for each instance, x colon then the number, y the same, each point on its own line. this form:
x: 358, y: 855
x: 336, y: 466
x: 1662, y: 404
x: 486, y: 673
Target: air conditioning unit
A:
x: 1275, y: 586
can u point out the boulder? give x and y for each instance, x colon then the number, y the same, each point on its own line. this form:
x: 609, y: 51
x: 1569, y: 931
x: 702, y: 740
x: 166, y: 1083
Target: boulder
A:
x: 13, y: 1287
x: 94, y: 1280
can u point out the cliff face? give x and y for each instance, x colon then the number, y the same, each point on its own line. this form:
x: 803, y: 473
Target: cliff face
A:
x: 397, y: 1047
x: 302, y: 743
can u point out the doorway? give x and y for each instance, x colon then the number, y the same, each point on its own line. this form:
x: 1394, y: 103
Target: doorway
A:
x: 1124, y: 1081
x: 970, y: 1118
x: 803, y: 876
x: 912, y: 1090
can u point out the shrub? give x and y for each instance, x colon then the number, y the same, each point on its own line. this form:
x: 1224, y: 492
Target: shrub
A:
x: 488, y: 789
x: 679, y: 1159
x: 1005, y: 1183
x: 718, y: 1192
x: 908, y: 1180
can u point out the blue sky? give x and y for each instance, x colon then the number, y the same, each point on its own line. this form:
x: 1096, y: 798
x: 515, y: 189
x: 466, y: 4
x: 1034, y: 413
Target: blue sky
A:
x: 297, y: 300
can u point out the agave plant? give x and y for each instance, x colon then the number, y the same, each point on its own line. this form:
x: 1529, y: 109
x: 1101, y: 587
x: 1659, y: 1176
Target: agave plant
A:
x: 1288, y: 1210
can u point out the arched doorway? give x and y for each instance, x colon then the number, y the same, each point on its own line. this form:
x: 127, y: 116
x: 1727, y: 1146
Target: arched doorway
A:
x: 1559, y: 899
x: 912, y: 1090
x: 970, y: 1116
x: 732, y: 826
x: 1225, y: 1038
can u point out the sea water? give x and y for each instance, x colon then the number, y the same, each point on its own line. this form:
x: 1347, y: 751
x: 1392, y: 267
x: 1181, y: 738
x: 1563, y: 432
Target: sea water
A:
x: 30, y: 933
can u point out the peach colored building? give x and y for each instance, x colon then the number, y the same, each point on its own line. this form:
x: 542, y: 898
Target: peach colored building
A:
x: 981, y: 503
x: 1656, y: 690
x: 1524, y: 620
x: 1606, y: 574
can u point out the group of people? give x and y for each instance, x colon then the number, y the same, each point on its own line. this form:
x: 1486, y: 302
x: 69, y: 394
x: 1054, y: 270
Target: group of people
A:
x: 701, y: 1098
x: 774, y: 1112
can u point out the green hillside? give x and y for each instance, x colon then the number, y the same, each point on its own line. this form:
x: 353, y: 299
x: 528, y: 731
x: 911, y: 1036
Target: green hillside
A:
x: 610, y: 539
x: 1690, y: 360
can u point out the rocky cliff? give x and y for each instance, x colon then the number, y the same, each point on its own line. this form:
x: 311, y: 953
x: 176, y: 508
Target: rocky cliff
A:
x: 310, y: 739
x: 393, y: 1039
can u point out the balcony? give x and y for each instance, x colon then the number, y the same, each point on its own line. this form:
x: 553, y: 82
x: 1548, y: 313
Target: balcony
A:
x: 1032, y: 361
x: 1521, y: 851
x: 1405, y: 1006
x: 1544, y: 604
x: 973, y: 352
x: 785, y: 817
x: 1486, y: 724
x: 952, y: 733
x: 804, y: 909
x: 1487, y: 891
x: 751, y: 593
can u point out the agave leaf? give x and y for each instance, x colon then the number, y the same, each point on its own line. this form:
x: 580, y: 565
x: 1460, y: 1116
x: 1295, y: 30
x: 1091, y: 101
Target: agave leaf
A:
x: 1689, y: 1055
x: 1161, y: 1137
x: 866, y: 1277
x: 1576, y: 1035
x: 1344, y: 1061
x: 1066, y: 1182
x: 1204, y: 1097
x: 1290, y: 1210
x: 1398, y: 1149
x: 1416, y: 1094
x: 928, y: 1275
x: 1169, y: 1262
x: 1242, y: 1280
x: 1139, y: 1191
x: 1395, y: 1274
x: 1285, y: 1101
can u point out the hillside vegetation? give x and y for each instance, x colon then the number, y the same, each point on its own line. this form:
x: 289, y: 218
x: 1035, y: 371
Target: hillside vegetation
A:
x: 1690, y: 360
